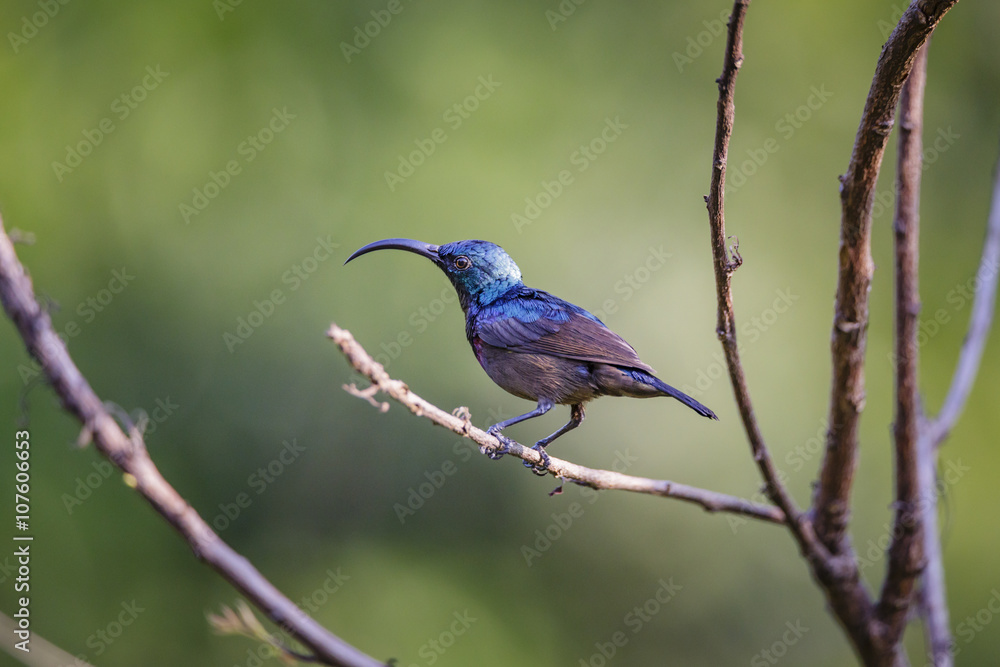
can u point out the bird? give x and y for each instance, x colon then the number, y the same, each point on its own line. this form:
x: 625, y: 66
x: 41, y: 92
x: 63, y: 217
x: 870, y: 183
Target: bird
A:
x: 535, y: 345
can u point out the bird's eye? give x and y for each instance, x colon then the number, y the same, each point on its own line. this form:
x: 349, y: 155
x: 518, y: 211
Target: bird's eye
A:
x: 462, y: 262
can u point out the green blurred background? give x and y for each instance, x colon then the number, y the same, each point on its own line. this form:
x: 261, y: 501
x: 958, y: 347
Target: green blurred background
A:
x: 329, y: 123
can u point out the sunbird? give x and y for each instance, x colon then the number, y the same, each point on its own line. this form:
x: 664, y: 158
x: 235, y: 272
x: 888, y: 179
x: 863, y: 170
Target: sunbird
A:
x: 533, y: 344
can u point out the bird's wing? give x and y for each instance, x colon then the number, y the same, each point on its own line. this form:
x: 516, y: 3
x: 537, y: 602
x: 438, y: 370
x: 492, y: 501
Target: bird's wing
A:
x: 537, y: 322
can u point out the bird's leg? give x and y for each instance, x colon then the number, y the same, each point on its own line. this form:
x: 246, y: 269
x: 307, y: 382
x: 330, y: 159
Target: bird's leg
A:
x: 543, y: 407
x: 576, y: 418
x: 498, y: 453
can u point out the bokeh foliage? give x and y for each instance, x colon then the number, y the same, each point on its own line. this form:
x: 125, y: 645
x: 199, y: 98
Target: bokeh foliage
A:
x: 331, y: 509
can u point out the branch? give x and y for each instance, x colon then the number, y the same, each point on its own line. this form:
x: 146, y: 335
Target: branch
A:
x: 850, y: 321
x: 724, y: 268
x: 933, y: 600
x: 934, y: 603
x: 130, y: 456
x: 596, y: 479
x: 980, y: 322
x: 906, y: 556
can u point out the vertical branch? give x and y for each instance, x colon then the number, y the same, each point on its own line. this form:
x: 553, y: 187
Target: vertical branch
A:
x: 724, y: 268
x: 906, y: 549
x: 933, y: 600
x: 850, y: 321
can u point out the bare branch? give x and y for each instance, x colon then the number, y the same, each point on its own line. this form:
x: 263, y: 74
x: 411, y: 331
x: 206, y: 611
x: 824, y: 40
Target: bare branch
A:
x: 980, y: 322
x: 906, y: 557
x: 724, y: 268
x: 78, y: 398
x: 850, y: 321
x: 711, y: 501
x: 934, y: 603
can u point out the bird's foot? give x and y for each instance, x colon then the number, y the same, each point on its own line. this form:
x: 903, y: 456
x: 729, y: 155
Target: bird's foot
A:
x: 540, y: 469
x: 499, y: 452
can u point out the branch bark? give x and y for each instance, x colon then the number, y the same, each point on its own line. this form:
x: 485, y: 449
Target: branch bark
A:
x: 837, y: 574
x: 129, y: 454
x: 710, y: 501
x: 850, y: 323
x: 724, y: 267
x: 906, y: 553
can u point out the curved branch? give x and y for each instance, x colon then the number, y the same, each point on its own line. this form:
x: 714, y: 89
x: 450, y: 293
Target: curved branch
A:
x: 980, y: 321
x: 130, y: 455
x: 724, y: 267
x: 850, y: 321
x: 934, y: 603
x: 711, y: 501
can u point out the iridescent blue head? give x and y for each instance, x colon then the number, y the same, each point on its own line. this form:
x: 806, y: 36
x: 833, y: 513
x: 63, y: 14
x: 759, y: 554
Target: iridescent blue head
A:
x: 480, y: 271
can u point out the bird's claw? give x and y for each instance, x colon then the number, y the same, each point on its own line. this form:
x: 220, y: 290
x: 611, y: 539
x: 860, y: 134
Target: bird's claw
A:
x: 499, y: 452
x: 540, y: 469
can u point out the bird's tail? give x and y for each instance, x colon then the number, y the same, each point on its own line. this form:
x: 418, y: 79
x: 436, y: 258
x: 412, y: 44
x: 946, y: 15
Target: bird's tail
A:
x: 679, y: 395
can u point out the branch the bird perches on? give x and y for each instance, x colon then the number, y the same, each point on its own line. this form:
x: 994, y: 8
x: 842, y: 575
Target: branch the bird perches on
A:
x: 711, y: 501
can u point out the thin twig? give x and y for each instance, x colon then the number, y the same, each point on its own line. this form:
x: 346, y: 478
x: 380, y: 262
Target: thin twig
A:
x: 724, y: 268
x: 906, y: 553
x: 711, y: 501
x: 933, y: 600
x: 35, y: 327
x: 934, y: 603
x: 980, y: 321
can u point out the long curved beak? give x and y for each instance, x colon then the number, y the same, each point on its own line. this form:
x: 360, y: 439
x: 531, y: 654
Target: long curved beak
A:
x: 427, y: 250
